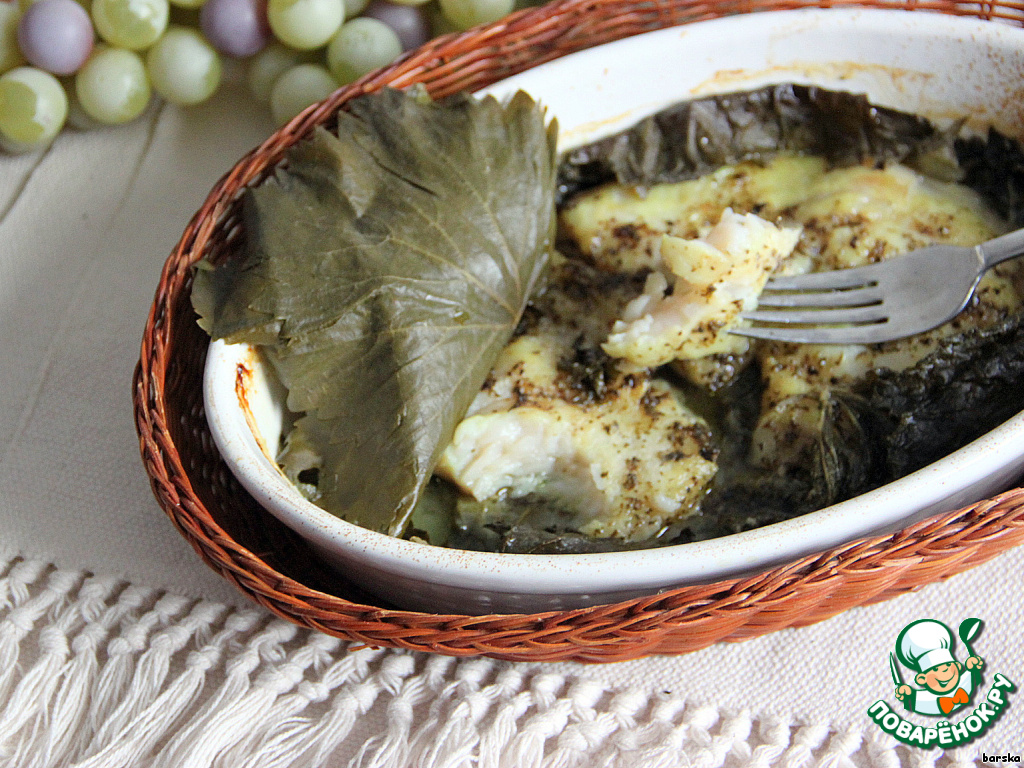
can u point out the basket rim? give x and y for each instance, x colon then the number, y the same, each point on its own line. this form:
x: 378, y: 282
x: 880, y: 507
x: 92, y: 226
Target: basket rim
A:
x: 962, y: 538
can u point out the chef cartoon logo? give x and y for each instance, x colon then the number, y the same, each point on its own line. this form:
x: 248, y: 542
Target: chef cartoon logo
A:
x: 929, y: 680
x: 946, y: 685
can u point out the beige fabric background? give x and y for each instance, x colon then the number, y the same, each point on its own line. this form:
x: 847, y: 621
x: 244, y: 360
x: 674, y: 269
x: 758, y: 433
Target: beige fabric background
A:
x: 84, y: 230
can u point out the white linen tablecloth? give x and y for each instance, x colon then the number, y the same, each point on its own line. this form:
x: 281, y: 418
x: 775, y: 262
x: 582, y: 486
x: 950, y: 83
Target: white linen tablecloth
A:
x: 118, y: 647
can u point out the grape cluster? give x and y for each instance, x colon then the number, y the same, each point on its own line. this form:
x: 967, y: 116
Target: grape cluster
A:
x: 99, y: 62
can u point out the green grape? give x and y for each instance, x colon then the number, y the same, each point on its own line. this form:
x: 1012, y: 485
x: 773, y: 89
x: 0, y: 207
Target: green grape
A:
x: 190, y: 4
x: 297, y: 88
x: 361, y: 46
x: 268, y: 65
x: 468, y: 13
x: 131, y: 24
x: 33, y: 108
x: 78, y: 118
x: 10, y: 53
x: 183, y: 67
x: 112, y: 87
x: 305, y: 24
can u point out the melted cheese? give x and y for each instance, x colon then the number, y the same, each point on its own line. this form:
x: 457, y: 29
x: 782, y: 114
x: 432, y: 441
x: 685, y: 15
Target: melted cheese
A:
x: 853, y: 217
x: 620, y: 228
x: 575, y: 415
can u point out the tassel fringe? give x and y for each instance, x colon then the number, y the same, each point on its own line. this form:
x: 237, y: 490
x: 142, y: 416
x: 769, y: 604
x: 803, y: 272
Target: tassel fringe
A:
x: 97, y: 673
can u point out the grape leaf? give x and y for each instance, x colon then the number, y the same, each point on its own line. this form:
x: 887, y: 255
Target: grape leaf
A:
x: 693, y: 138
x: 384, y: 271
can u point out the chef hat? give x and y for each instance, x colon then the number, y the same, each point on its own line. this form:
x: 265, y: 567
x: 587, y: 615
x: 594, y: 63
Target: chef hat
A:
x: 924, y: 644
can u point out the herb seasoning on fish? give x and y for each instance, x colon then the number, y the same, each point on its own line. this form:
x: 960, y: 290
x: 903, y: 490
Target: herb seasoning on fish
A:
x: 657, y: 264
x: 606, y: 405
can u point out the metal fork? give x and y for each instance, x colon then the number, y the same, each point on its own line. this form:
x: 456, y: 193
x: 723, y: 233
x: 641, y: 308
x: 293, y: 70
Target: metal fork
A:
x: 892, y: 299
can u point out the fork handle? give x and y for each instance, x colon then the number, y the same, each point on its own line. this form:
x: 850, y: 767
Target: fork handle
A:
x: 999, y: 249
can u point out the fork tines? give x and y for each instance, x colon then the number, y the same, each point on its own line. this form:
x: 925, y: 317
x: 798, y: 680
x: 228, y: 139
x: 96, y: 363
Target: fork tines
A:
x: 837, y: 307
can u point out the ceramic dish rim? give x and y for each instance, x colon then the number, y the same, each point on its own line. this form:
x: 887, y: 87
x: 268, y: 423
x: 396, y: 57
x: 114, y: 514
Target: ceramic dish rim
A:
x: 674, y: 565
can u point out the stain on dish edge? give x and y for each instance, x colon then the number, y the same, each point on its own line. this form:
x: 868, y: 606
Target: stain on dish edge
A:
x: 243, y: 383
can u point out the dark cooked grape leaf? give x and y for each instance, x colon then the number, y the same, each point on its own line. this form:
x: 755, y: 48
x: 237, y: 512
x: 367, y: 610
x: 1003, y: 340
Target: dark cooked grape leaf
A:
x: 993, y: 165
x: 385, y: 269
x: 842, y: 462
x: 885, y: 427
x: 693, y: 138
x: 970, y: 384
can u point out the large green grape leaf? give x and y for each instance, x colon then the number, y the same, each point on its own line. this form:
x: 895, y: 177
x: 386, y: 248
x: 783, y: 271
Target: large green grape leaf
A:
x: 385, y: 269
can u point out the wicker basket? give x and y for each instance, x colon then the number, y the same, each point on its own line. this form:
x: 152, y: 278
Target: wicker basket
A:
x: 276, y: 568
